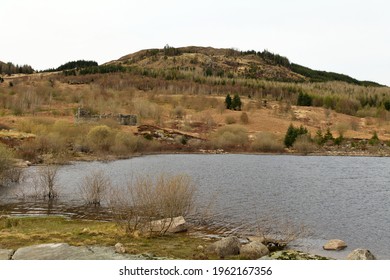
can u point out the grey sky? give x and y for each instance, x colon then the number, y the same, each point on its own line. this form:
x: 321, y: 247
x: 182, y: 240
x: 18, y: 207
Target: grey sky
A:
x: 350, y: 37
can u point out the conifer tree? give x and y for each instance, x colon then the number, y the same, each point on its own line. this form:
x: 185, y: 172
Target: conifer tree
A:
x: 236, y: 103
x: 228, y: 102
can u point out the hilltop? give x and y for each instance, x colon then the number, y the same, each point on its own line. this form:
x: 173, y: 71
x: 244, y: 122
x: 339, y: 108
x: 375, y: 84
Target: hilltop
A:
x: 230, y: 63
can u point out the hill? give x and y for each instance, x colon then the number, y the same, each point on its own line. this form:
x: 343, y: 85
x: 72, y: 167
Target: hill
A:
x: 230, y: 63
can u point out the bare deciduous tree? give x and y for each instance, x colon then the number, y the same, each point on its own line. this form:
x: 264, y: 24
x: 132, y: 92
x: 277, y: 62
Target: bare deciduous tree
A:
x: 45, y: 183
x: 94, y: 187
x: 146, y: 200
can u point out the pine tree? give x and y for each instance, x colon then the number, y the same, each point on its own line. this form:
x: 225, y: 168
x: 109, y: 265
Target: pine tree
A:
x: 236, y: 103
x: 292, y: 134
x: 228, y: 102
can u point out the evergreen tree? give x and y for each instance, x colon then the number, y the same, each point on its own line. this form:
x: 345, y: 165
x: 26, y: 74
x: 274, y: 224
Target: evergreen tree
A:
x: 228, y: 102
x: 292, y: 134
x: 304, y: 99
x: 236, y: 103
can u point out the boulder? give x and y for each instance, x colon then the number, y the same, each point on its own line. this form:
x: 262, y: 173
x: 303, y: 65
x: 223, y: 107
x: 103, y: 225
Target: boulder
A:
x: 254, y: 250
x: 361, y: 254
x: 119, y: 248
x: 6, y: 254
x: 260, y: 239
x: 335, y: 244
x: 172, y: 225
x: 292, y: 255
x: 225, y: 247
x: 63, y: 251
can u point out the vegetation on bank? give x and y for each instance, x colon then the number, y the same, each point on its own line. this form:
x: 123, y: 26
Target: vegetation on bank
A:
x: 16, y: 232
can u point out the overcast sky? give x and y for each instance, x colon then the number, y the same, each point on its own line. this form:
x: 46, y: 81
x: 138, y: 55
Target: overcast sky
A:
x: 345, y: 36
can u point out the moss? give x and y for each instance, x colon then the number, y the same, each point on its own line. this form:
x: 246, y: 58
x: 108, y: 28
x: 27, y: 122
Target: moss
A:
x: 295, y: 255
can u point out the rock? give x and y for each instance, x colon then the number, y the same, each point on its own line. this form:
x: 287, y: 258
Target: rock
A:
x: 63, y: 251
x: 225, y: 247
x: 174, y: 225
x: 119, y: 248
x: 6, y: 254
x: 361, y: 254
x: 254, y: 250
x: 200, y: 248
x: 292, y: 255
x: 335, y: 244
x: 257, y: 239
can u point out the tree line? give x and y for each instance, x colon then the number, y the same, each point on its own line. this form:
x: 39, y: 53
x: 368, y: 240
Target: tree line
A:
x: 10, y: 68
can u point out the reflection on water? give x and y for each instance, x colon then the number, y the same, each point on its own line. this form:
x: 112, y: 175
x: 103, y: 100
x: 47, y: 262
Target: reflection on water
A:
x: 336, y: 197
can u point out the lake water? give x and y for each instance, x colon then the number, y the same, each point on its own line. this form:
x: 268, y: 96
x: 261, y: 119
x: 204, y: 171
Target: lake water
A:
x: 346, y: 198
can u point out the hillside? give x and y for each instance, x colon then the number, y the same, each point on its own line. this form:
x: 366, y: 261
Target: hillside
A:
x: 178, y: 96
x: 211, y: 62
x: 230, y: 63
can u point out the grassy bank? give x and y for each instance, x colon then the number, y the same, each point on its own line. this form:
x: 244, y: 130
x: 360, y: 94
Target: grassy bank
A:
x: 16, y: 232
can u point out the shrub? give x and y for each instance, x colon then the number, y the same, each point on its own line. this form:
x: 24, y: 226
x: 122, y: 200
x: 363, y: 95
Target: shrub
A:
x: 230, y: 136
x: 5, y: 164
x: 45, y: 182
x: 292, y: 134
x: 304, y: 99
x: 244, y: 118
x: 266, y: 142
x: 230, y: 120
x: 94, y: 187
x: 374, y: 139
x: 125, y: 143
x: 100, y: 138
x: 146, y: 200
x: 178, y: 112
x: 303, y: 144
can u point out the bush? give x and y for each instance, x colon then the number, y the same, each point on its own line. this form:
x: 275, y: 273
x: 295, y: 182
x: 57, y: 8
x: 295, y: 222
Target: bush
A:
x: 178, y: 112
x: 266, y: 142
x: 304, y: 99
x: 292, y: 134
x: 230, y: 120
x: 5, y: 164
x: 125, y: 143
x: 94, y: 187
x: 45, y: 182
x: 304, y: 145
x: 146, y: 200
x: 100, y: 138
x: 244, y: 118
x: 230, y: 136
x: 374, y: 139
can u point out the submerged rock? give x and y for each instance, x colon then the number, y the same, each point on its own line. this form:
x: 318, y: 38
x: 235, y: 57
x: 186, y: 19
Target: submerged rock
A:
x: 174, y: 225
x: 335, y: 244
x: 361, y: 254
